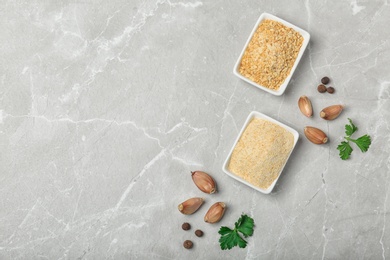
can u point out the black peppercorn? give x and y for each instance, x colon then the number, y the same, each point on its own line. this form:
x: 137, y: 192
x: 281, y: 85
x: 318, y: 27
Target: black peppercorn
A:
x: 186, y: 226
x: 188, y: 244
x: 321, y: 88
x: 330, y: 90
x: 199, y: 233
x: 325, y: 80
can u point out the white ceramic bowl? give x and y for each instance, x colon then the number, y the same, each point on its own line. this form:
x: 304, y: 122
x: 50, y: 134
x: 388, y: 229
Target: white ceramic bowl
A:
x: 282, y: 88
x: 252, y: 115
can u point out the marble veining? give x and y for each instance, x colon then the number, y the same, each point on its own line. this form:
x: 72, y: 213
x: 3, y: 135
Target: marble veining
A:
x: 105, y: 108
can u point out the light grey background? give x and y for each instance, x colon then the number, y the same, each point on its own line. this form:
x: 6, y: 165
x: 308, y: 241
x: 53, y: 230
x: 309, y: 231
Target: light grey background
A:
x: 106, y: 107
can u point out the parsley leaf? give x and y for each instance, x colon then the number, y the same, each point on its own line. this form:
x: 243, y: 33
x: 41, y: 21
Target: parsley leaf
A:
x: 362, y: 142
x: 345, y: 150
x: 224, y: 230
x: 245, y: 225
x: 241, y: 242
x: 231, y: 237
x: 350, y: 129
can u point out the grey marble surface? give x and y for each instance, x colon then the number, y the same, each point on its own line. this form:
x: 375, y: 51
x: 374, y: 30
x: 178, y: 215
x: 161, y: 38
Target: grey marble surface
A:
x: 105, y: 108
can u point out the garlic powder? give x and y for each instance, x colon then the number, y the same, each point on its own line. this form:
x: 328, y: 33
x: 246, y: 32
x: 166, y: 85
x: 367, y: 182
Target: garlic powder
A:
x: 261, y: 152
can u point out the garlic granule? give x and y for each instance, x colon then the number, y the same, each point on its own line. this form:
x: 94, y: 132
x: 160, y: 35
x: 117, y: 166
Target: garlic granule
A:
x: 271, y: 54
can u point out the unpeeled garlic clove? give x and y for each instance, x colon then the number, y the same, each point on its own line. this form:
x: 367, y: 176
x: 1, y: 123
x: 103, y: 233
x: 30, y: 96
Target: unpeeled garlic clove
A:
x: 305, y: 106
x: 215, y: 212
x: 190, y: 206
x: 315, y: 135
x: 204, y: 182
x: 331, y: 112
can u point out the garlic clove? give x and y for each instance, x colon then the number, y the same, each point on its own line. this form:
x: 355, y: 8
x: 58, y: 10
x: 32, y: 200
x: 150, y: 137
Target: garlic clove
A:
x: 215, y: 212
x: 305, y: 106
x: 315, y: 135
x: 190, y: 206
x: 331, y: 112
x: 204, y: 182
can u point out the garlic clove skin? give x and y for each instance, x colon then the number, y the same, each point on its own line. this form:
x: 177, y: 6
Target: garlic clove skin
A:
x: 215, y: 213
x: 190, y: 206
x: 305, y: 106
x: 331, y: 112
x: 204, y: 182
x: 315, y: 135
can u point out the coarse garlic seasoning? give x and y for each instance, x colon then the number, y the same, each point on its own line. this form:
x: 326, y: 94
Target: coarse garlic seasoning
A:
x: 271, y: 54
x: 261, y: 152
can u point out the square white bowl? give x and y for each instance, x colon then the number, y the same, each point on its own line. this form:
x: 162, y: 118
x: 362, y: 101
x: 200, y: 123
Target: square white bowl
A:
x: 252, y: 115
x: 282, y: 88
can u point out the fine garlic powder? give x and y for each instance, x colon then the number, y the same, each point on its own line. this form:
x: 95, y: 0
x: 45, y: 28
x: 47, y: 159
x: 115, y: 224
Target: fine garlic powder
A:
x: 261, y: 152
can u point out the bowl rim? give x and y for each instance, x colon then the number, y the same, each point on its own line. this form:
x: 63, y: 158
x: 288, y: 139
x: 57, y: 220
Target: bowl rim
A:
x: 282, y: 88
x: 255, y: 114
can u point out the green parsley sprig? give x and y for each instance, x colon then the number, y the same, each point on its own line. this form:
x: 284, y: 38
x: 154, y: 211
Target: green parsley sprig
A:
x: 231, y: 237
x: 362, y: 142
